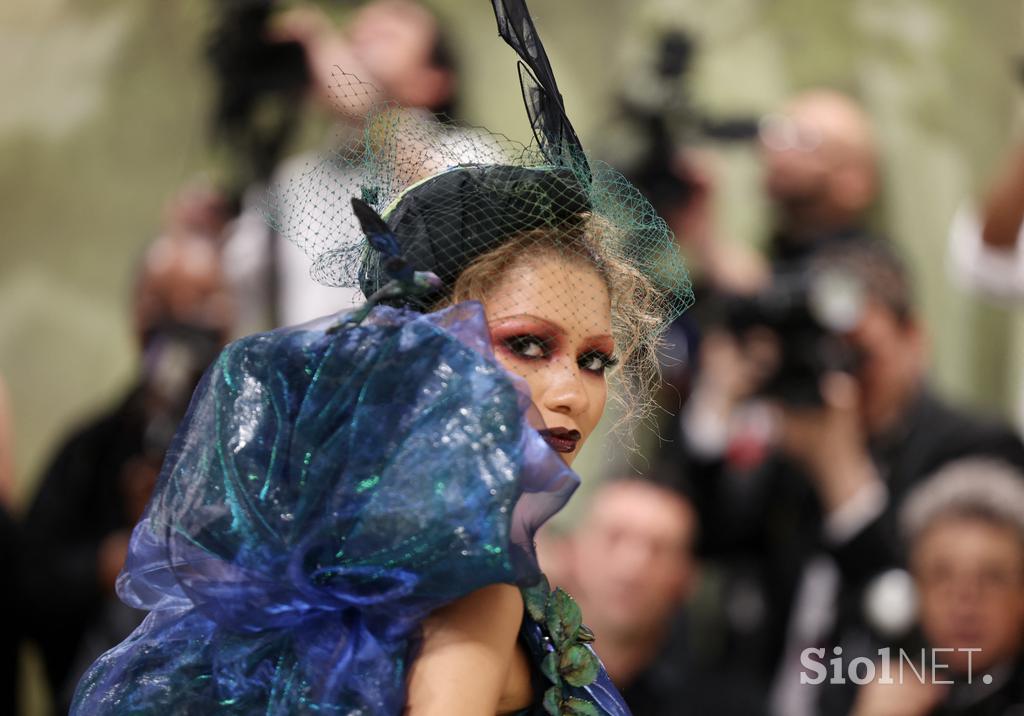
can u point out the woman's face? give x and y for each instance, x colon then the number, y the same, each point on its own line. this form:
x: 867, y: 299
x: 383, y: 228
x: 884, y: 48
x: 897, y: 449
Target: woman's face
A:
x: 550, y: 323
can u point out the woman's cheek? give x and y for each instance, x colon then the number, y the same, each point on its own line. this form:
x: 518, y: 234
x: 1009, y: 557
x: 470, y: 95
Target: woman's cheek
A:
x: 598, y: 397
x: 524, y: 368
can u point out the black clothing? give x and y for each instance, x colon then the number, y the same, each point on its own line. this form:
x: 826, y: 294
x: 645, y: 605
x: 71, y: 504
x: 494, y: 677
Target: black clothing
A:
x: 80, y: 502
x: 10, y: 609
x: 764, y: 525
x: 785, y: 250
x: 1004, y: 697
x: 676, y: 683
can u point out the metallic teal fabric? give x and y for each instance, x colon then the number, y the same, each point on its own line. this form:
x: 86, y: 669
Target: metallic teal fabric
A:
x: 326, y: 491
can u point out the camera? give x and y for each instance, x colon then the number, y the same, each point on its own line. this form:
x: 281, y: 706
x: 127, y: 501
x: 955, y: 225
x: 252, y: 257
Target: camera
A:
x: 656, y: 114
x: 797, y: 328
x: 259, y: 87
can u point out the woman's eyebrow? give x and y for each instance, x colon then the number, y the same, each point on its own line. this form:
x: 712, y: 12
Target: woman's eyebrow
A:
x: 600, y: 338
x: 597, y: 338
x: 528, y: 316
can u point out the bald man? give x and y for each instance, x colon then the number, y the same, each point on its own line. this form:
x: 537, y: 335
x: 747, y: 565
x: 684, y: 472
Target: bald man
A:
x: 820, y: 164
x: 820, y: 175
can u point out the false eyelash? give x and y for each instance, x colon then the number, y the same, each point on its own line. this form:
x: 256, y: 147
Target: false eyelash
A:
x: 607, y: 361
x: 519, y: 344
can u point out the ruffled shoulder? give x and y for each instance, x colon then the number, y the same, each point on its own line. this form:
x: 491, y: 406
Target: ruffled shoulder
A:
x: 327, y: 489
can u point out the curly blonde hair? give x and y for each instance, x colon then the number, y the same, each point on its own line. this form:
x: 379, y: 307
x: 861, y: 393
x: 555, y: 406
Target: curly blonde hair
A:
x: 636, y: 311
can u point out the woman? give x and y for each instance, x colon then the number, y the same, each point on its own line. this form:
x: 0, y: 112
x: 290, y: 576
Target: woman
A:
x: 345, y: 521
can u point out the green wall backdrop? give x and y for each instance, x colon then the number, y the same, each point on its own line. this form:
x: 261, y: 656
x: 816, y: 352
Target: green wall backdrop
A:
x: 103, y: 103
x: 103, y: 116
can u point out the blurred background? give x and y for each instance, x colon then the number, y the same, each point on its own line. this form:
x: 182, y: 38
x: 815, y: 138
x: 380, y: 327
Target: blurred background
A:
x: 107, y: 125
x: 107, y: 115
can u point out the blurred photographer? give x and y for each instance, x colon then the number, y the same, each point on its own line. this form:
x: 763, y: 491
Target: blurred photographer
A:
x: 810, y: 421
x: 986, y: 253
x: 396, y: 50
x: 820, y: 175
x: 95, y: 488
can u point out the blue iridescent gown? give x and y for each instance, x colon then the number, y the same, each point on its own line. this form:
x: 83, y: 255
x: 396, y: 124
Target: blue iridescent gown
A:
x: 325, y: 492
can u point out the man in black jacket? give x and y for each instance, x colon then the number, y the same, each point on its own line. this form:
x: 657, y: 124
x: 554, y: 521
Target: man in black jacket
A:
x: 798, y: 501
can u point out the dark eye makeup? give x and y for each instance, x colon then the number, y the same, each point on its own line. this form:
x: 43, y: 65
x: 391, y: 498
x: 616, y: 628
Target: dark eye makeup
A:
x: 529, y: 346
x: 596, y: 361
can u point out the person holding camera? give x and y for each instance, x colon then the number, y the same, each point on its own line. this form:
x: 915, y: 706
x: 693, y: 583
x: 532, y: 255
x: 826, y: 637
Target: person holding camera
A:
x: 807, y: 426
x: 397, y: 51
x: 820, y: 176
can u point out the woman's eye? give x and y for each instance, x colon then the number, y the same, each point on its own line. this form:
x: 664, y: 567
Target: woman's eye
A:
x: 527, y: 346
x: 596, y: 361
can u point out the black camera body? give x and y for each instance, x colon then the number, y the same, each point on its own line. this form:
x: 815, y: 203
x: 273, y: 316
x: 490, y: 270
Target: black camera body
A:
x: 800, y: 324
x: 656, y: 115
x: 260, y: 85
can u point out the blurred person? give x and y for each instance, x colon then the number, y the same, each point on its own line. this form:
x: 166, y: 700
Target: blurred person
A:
x: 631, y: 563
x: 97, y: 485
x: 821, y: 171
x: 820, y: 176
x: 398, y: 46
x: 400, y: 53
x: 985, y: 250
x: 965, y: 534
x: 986, y: 254
x: 798, y: 498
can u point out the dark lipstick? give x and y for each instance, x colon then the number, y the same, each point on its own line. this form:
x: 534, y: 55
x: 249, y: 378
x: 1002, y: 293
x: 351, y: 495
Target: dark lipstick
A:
x: 561, y: 439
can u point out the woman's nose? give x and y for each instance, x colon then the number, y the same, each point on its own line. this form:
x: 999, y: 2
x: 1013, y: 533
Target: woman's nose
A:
x: 565, y: 392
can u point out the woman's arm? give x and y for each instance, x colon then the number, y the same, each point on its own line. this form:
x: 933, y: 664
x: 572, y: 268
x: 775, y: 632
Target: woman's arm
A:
x: 1004, y: 206
x: 469, y: 664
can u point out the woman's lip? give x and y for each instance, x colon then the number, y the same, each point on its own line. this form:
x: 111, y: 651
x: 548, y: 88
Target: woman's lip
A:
x: 561, y: 439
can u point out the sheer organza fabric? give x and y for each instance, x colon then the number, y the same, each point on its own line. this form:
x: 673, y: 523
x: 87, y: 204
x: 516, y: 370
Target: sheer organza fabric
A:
x: 326, y: 491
